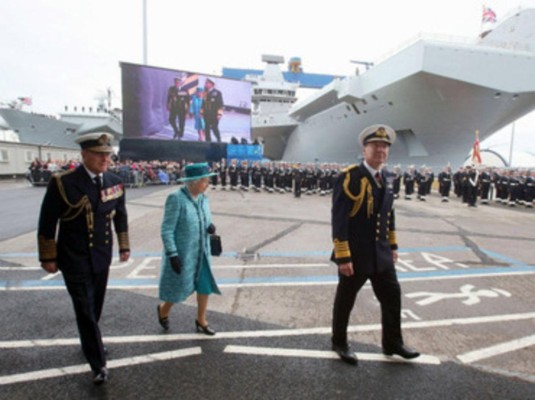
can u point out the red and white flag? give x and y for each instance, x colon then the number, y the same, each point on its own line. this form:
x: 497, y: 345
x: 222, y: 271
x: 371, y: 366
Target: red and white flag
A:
x: 476, y: 152
x: 27, y: 101
x: 488, y: 15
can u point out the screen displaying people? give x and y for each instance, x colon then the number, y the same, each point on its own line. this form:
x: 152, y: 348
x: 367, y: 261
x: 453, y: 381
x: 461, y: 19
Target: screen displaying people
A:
x: 178, y: 105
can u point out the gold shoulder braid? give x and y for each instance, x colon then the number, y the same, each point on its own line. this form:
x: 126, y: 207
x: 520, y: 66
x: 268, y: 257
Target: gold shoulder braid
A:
x: 365, y: 190
x: 75, y: 209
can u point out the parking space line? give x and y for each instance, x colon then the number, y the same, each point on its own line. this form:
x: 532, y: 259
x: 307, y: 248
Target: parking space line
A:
x: 497, y: 349
x: 169, y: 337
x: 301, y: 353
x: 79, y: 369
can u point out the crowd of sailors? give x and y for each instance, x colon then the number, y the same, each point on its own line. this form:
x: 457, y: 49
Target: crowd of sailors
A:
x: 472, y: 184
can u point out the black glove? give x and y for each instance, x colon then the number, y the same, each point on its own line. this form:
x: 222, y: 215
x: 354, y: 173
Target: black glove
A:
x: 211, y: 229
x: 176, y: 264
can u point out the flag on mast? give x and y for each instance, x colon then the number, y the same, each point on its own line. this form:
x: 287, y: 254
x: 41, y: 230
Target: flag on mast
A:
x: 488, y: 15
x: 476, y: 152
x: 27, y: 101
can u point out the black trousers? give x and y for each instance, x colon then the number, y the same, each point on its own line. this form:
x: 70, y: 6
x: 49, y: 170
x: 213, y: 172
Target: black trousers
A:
x: 87, y: 293
x: 212, y: 124
x: 387, y: 290
x: 173, y: 114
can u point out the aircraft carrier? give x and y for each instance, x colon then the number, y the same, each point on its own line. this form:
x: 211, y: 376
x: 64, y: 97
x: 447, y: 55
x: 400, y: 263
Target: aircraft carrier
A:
x: 434, y: 92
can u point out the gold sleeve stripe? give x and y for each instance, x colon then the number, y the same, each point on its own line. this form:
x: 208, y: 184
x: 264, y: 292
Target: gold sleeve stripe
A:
x: 124, y: 241
x: 47, y: 248
x: 341, y: 249
x: 392, y: 237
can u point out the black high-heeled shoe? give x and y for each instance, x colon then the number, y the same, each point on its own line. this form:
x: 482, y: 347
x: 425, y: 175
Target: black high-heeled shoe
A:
x: 204, y: 329
x: 164, y: 322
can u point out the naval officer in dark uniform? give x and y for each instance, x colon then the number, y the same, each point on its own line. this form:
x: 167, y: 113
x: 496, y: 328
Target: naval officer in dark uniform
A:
x: 178, y: 105
x: 86, y: 201
x: 365, y: 246
x: 212, y: 110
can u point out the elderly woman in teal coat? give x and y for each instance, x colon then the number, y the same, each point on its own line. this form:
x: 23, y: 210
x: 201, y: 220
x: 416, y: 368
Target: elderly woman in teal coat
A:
x: 186, y: 248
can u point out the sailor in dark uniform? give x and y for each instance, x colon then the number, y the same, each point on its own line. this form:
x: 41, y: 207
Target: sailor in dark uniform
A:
x: 397, y: 181
x: 365, y: 245
x: 529, y: 188
x: 422, y: 179
x: 256, y: 176
x: 471, y: 185
x: 216, y: 168
x: 484, y: 185
x: 269, y: 178
x: 245, y: 173
x: 514, y: 188
x: 86, y: 201
x: 223, y: 174
x: 444, y: 183
x: 212, y: 110
x: 298, y: 174
x: 408, y: 181
x: 233, y: 174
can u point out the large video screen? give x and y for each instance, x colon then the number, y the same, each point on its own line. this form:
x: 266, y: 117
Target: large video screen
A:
x: 179, y: 105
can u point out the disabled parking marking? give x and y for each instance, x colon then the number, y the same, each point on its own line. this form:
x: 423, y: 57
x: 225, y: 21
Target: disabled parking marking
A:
x: 83, y: 368
x: 470, y: 297
x: 322, y: 354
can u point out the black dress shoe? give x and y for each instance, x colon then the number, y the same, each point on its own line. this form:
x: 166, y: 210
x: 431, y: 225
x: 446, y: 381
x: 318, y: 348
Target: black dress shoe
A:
x: 164, y: 322
x: 204, y: 329
x: 345, y: 354
x: 100, y: 376
x: 402, y: 351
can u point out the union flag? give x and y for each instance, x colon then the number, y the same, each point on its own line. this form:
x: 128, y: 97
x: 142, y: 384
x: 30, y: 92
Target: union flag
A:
x: 476, y: 152
x: 488, y: 15
x: 26, y: 100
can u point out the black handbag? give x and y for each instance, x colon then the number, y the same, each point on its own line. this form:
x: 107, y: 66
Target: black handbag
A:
x: 215, y: 245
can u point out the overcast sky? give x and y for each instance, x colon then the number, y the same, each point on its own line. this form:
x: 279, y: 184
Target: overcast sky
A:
x: 66, y: 52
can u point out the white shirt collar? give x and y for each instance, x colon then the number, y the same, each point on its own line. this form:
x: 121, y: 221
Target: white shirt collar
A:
x: 372, y: 170
x: 92, y: 174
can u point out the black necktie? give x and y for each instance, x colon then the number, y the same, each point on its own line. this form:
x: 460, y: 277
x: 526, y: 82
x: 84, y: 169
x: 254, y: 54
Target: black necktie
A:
x: 98, y: 182
x: 378, y: 178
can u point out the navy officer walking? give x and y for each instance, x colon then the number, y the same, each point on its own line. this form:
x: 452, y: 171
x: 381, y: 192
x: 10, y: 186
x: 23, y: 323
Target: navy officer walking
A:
x: 365, y: 246
x: 85, y: 201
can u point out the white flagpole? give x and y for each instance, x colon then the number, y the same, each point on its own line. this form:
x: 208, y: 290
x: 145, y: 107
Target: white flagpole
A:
x: 511, y: 145
x: 145, y: 32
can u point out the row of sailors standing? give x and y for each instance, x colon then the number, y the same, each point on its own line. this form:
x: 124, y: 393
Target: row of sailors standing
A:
x: 419, y: 181
x: 510, y: 187
x: 281, y: 177
x: 513, y: 187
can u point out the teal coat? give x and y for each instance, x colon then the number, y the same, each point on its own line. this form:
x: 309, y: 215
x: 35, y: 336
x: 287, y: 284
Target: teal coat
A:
x: 184, y: 233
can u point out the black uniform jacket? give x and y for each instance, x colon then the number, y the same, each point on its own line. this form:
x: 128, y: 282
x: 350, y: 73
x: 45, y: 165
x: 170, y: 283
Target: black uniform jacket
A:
x: 84, y: 242
x: 212, y: 106
x: 363, y: 221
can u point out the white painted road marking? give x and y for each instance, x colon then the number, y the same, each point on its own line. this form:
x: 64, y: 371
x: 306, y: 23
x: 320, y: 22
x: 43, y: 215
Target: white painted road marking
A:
x: 497, y: 349
x: 79, y: 369
x: 281, y: 352
x: 470, y: 297
x: 13, y: 344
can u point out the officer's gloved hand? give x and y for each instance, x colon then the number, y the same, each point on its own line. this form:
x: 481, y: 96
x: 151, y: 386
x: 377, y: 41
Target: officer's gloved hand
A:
x: 211, y: 229
x: 176, y: 264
